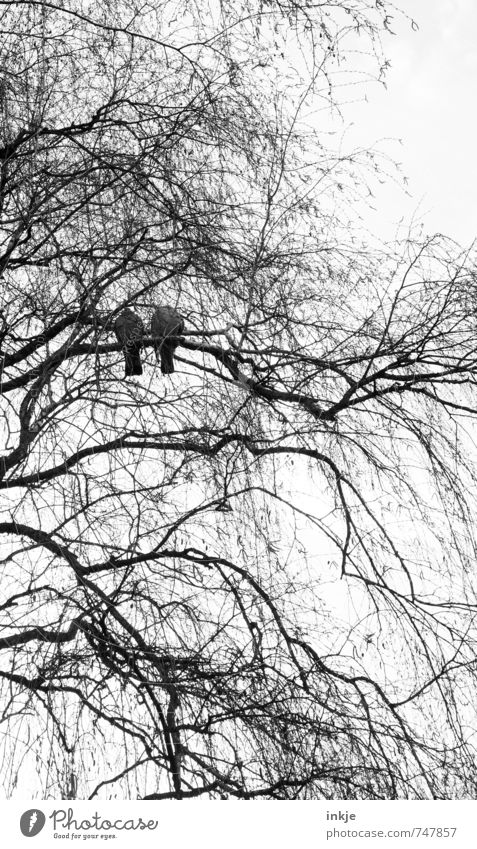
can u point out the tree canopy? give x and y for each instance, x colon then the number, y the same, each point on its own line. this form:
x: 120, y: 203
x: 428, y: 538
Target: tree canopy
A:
x: 253, y: 578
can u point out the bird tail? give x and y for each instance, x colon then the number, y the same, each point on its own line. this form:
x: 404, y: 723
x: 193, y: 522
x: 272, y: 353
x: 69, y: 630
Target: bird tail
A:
x: 167, y: 359
x: 133, y: 361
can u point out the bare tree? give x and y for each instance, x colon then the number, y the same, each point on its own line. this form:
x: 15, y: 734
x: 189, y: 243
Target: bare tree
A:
x: 254, y: 577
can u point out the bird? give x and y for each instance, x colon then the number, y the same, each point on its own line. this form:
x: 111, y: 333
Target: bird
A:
x: 129, y: 331
x: 165, y: 322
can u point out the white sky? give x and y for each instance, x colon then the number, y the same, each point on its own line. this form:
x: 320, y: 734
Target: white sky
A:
x: 430, y: 103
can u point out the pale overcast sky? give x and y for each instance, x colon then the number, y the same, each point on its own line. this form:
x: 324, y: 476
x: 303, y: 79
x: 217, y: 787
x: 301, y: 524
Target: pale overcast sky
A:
x: 430, y: 103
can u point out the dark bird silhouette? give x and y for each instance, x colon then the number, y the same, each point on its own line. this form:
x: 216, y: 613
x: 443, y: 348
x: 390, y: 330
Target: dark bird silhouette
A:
x: 129, y: 331
x: 166, y: 322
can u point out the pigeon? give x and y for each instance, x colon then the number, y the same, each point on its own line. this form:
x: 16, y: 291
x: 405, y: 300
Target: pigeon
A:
x: 166, y: 322
x: 129, y: 331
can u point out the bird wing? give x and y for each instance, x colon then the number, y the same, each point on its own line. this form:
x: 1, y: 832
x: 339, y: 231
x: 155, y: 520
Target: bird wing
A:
x: 128, y: 327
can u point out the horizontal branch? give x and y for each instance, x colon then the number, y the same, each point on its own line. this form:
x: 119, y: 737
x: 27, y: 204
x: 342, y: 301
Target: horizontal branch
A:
x: 40, y: 634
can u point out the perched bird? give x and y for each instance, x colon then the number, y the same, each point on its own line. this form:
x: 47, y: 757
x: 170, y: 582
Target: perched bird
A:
x: 129, y: 331
x: 166, y: 322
